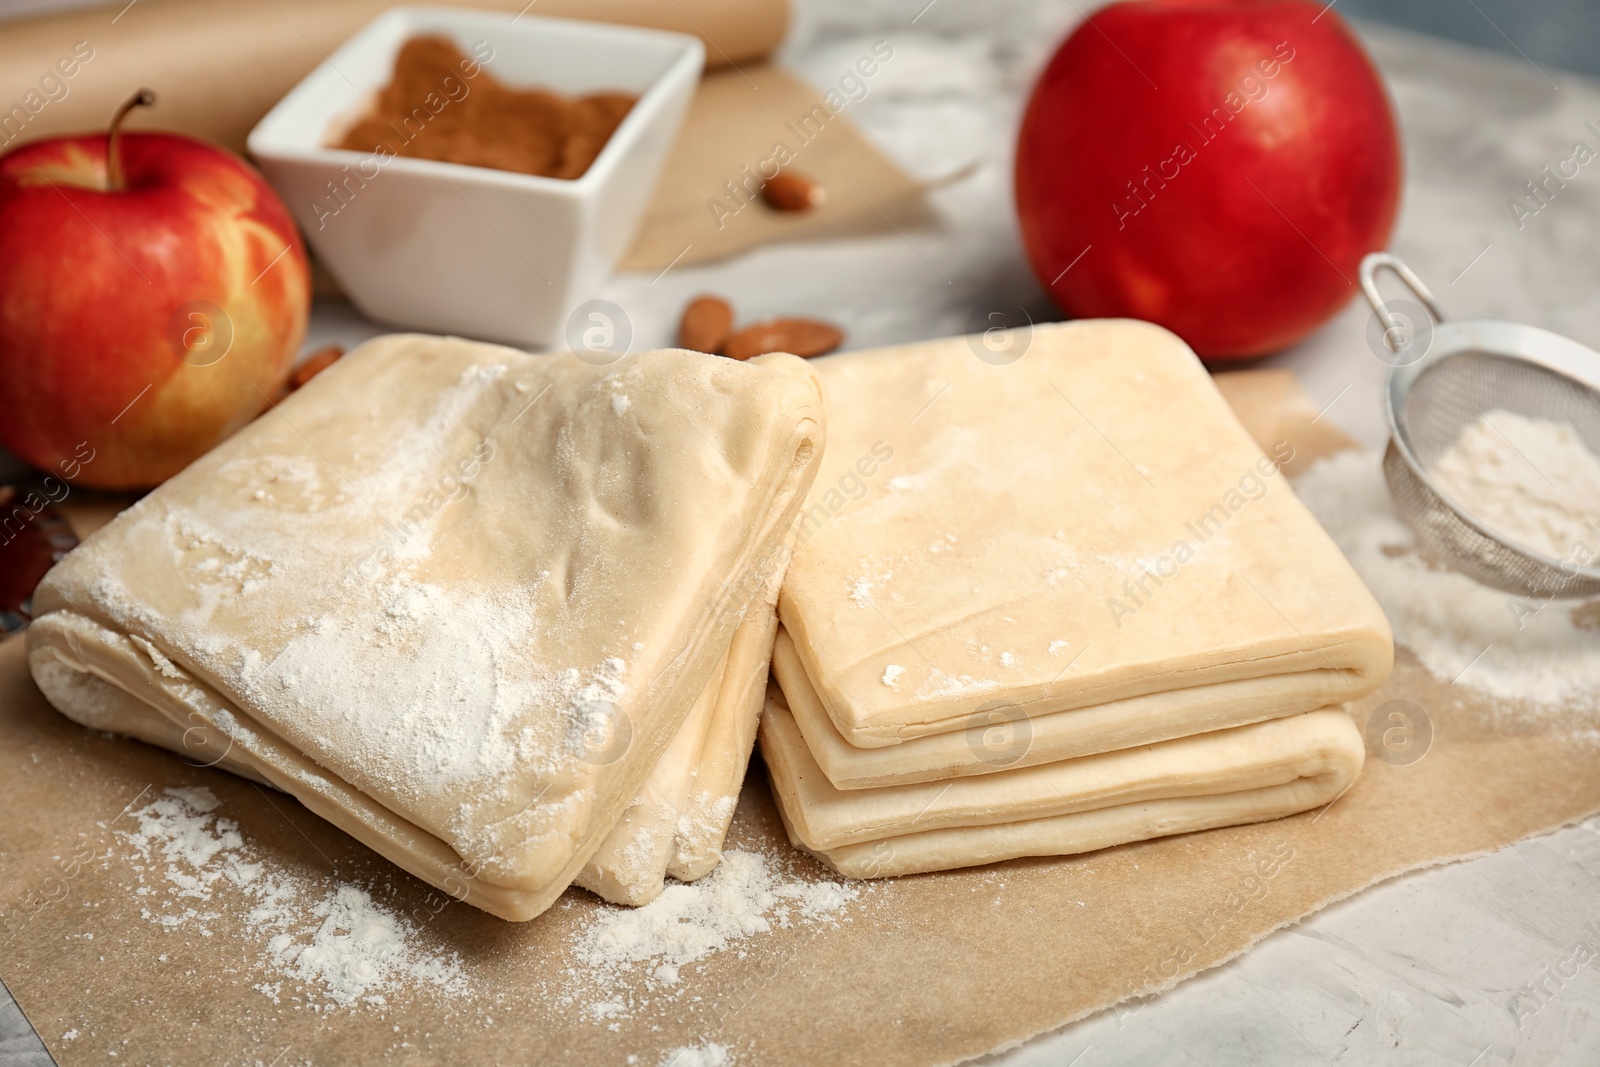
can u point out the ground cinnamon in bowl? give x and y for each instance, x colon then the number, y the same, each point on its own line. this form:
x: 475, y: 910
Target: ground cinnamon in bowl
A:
x: 440, y: 104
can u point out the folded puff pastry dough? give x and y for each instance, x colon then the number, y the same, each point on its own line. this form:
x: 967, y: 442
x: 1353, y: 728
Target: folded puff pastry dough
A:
x: 1253, y: 773
x: 677, y: 822
x: 456, y: 599
x: 1106, y: 727
x: 1050, y: 606
x: 1086, y: 531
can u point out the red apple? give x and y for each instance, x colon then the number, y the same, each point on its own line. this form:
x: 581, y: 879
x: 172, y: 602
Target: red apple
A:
x: 153, y: 291
x: 1221, y: 166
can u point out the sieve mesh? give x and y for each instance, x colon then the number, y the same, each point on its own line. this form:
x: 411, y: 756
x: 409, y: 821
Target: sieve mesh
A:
x: 1447, y: 396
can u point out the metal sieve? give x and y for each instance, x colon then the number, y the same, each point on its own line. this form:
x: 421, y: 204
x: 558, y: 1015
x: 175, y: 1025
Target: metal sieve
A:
x: 1445, y: 376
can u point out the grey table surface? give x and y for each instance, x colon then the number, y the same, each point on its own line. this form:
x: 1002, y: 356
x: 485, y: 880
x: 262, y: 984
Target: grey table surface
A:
x: 1419, y: 970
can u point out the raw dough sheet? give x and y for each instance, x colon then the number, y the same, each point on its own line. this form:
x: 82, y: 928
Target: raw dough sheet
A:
x: 1084, y: 525
x: 1245, y: 774
x: 455, y: 598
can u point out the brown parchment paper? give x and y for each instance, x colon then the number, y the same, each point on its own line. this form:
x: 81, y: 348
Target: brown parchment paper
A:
x: 923, y: 970
x: 737, y: 120
x: 1272, y: 407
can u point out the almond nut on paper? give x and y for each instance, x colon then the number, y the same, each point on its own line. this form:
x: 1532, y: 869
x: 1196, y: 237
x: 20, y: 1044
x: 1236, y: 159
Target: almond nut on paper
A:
x: 800, y: 337
x: 791, y: 192
x: 705, y: 325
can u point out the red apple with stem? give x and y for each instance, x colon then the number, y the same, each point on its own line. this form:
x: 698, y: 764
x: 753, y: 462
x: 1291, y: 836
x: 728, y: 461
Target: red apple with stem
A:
x: 153, y: 293
x: 1216, y: 166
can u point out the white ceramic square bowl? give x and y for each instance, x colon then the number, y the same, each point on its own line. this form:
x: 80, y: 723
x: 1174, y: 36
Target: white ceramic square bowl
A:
x: 471, y: 251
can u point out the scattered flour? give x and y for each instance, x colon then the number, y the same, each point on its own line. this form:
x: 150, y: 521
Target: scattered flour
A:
x: 1532, y: 480
x: 939, y: 684
x: 441, y: 661
x: 705, y: 817
x: 343, y: 946
x: 892, y: 673
x: 709, y: 1054
x: 902, y: 483
x: 1463, y: 632
x: 359, y: 949
x: 619, y: 403
x: 862, y: 586
x: 607, y: 1009
x: 744, y: 896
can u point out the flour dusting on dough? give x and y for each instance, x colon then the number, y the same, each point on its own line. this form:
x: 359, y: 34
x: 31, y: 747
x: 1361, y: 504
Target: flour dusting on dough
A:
x: 863, y: 588
x: 939, y: 684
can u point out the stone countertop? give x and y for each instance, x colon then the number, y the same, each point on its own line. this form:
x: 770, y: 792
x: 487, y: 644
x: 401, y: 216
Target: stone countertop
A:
x: 1419, y: 970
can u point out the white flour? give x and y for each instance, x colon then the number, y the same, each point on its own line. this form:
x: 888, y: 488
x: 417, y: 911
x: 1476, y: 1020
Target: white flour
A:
x: 364, y: 615
x: 704, y: 816
x: 709, y: 1054
x: 863, y: 585
x: 939, y: 684
x: 744, y: 896
x: 1532, y: 480
x: 1462, y: 632
x: 342, y: 946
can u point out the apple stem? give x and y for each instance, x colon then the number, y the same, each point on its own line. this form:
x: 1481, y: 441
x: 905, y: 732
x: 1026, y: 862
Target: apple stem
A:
x: 142, y: 98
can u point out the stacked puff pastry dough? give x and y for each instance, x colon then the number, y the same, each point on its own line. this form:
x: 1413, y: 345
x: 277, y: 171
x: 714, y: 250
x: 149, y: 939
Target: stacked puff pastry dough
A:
x: 504, y: 618
x: 508, y: 619
x: 1076, y: 606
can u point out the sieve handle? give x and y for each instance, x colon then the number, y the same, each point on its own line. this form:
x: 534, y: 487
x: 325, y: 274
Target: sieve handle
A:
x: 1371, y: 264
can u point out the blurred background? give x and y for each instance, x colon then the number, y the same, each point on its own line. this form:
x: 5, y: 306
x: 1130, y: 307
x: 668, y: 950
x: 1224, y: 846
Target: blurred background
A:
x: 1559, y: 32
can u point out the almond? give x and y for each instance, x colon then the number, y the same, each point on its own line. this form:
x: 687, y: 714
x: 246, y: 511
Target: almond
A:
x: 792, y: 192
x: 800, y: 337
x: 314, y: 364
x: 705, y: 325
